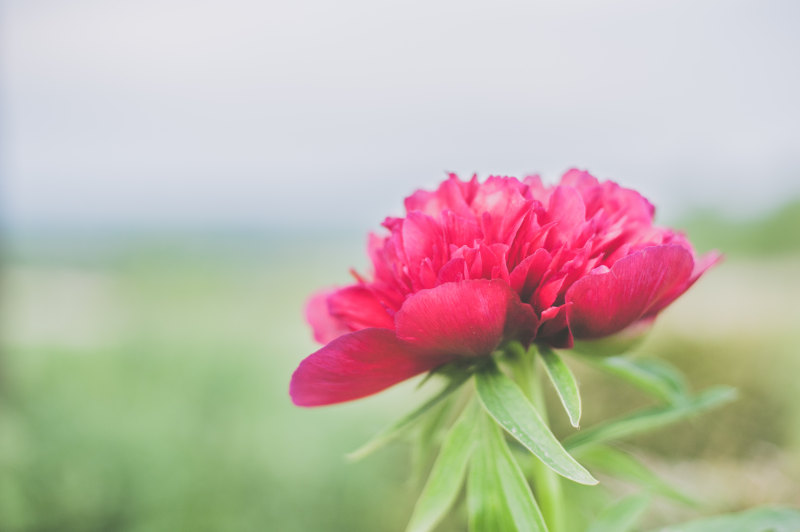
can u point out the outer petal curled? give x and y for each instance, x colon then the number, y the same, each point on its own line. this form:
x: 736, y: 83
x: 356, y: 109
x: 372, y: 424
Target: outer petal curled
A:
x: 467, y: 318
x: 604, y: 303
x: 356, y: 365
x: 700, y: 266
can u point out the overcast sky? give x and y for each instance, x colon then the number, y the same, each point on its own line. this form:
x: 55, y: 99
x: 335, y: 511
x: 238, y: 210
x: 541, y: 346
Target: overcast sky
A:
x: 293, y: 114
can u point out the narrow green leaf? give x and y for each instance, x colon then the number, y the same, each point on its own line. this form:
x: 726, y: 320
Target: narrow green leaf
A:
x: 447, y: 474
x: 756, y: 520
x: 650, y: 418
x: 498, y: 496
x: 427, y: 438
x: 624, y: 466
x: 507, y: 404
x: 519, y: 497
x: 564, y: 382
x: 655, y: 377
x: 621, y: 516
x: 485, y: 504
x: 392, y: 431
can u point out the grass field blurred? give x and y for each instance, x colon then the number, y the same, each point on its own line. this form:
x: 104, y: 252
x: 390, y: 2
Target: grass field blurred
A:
x: 143, y: 384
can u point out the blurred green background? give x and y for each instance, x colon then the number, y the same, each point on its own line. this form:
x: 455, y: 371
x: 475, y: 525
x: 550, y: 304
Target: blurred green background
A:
x: 143, y: 383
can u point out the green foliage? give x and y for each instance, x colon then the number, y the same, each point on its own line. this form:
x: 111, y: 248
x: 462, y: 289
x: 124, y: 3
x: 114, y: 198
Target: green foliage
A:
x: 564, y: 382
x: 507, y: 404
x: 427, y: 436
x: 621, y: 516
x: 499, y: 497
x: 655, y: 377
x: 623, y: 466
x: 455, y: 380
x: 650, y: 418
x: 447, y: 475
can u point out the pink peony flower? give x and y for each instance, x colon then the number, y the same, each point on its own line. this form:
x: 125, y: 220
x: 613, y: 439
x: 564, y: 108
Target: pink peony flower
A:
x: 473, y: 265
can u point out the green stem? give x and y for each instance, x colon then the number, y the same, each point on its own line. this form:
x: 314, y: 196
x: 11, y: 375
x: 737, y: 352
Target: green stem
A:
x: 546, y: 483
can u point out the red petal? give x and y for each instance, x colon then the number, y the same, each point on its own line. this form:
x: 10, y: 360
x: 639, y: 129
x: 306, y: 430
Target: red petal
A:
x: 459, y: 230
x: 422, y: 239
x: 357, y: 307
x: 501, y: 206
x: 356, y: 365
x: 465, y: 318
x: 525, y: 278
x: 554, y: 328
x: 604, y: 303
x: 325, y: 326
x: 700, y: 267
x: 455, y: 270
x: 579, y: 179
x: 566, y: 208
x: 453, y: 195
x: 521, y: 321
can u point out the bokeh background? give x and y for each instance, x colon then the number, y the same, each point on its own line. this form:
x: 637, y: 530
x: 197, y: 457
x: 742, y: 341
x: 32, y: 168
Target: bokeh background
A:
x: 178, y: 176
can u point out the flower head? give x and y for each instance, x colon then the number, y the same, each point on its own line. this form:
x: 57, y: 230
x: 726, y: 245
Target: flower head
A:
x: 473, y: 265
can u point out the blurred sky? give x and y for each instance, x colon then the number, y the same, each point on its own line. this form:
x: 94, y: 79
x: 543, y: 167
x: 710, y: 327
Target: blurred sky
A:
x: 306, y: 114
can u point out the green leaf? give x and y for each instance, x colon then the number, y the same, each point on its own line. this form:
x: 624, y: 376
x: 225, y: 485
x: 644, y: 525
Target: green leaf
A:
x: 756, y: 520
x: 498, y: 496
x: 392, y: 431
x: 447, y: 474
x: 485, y: 498
x: 655, y: 377
x: 507, y: 404
x: 624, y: 466
x: 565, y: 384
x: 428, y: 438
x: 651, y: 418
x: 621, y: 516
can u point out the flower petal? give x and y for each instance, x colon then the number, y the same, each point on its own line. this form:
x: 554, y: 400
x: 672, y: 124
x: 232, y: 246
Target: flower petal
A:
x: 357, y: 307
x: 501, y: 206
x: 554, y: 329
x: 466, y: 318
x: 423, y: 240
x: 452, y: 195
x: 356, y: 365
x: 700, y: 266
x: 325, y: 326
x: 525, y: 278
x: 604, y: 303
x: 567, y: 210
